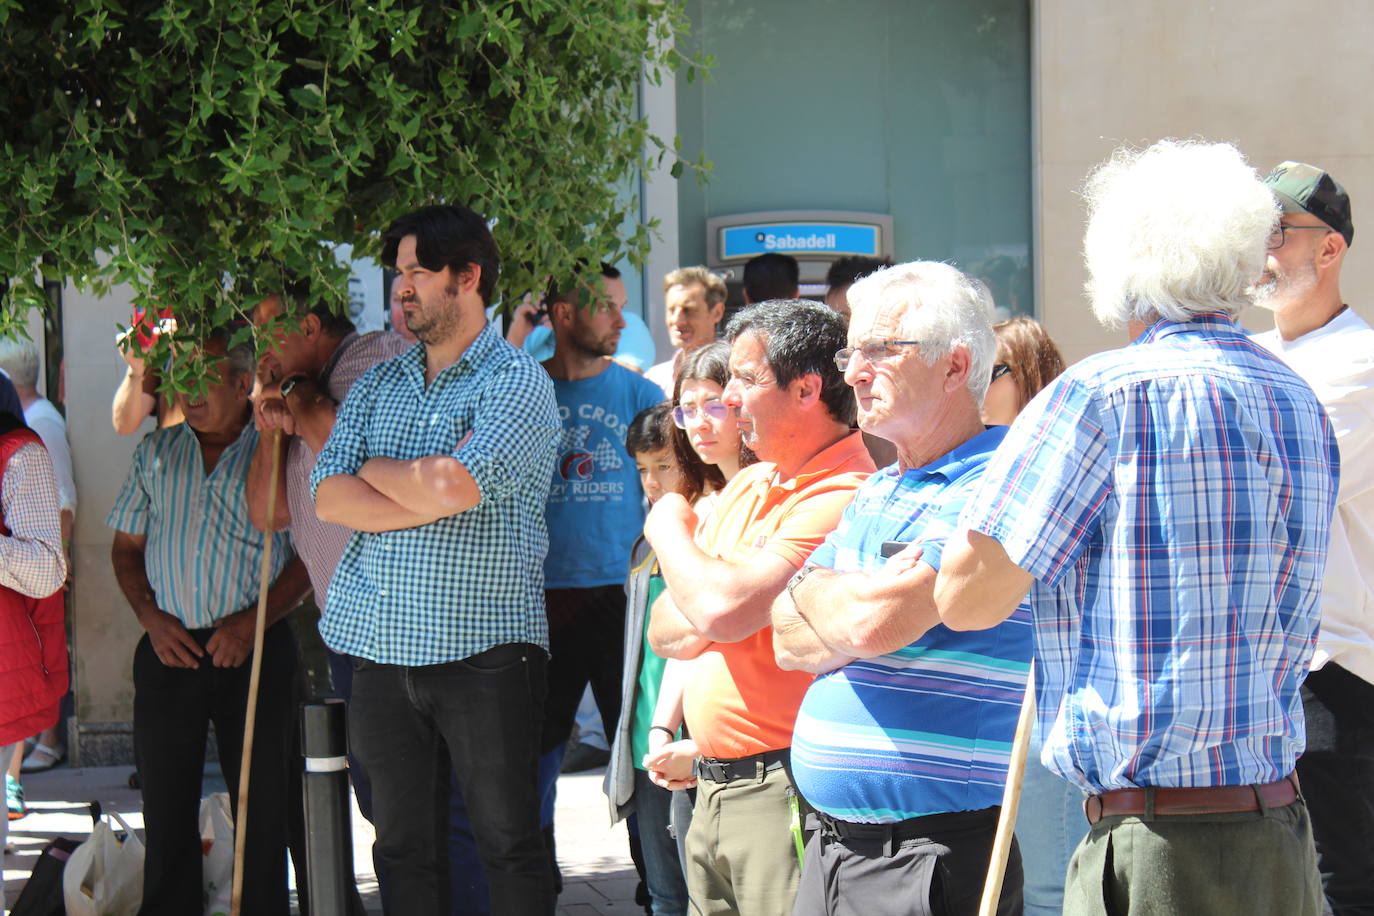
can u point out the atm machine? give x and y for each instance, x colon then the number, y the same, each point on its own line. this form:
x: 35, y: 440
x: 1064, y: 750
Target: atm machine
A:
x: 814, y: 237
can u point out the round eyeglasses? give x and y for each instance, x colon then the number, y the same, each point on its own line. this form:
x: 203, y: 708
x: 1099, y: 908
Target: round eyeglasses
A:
x: 712, y: 408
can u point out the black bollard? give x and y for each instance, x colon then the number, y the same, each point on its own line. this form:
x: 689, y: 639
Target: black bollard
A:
x: 328, y: 830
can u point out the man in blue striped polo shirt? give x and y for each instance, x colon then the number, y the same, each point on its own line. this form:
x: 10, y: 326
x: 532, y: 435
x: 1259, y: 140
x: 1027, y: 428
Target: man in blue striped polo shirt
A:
x: 440, y: 460
x: 902, y: 742
x: 187, y: 558
x: 1168, y: 505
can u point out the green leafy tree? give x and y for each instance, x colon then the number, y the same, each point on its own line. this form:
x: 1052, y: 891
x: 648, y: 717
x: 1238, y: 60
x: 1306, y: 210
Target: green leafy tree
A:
x: 199, y: 149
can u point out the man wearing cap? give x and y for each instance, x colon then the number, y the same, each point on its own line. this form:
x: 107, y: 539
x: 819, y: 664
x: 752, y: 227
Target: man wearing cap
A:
x: 1167, y: 506
x: 1332, y: 348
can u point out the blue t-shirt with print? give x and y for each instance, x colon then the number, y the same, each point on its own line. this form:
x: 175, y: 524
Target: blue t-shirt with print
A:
x: 596, y: 507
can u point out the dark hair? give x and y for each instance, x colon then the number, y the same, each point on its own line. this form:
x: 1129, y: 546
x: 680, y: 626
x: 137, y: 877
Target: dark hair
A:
x: 447, y: 236
x: 800, y: 337
x: 651, y: 431
x: 710, y: 363
x: 1024, y: 346
x: 844, y: 271
x: 561, y: 292
x: 296, y: 297
x: 771, y: 276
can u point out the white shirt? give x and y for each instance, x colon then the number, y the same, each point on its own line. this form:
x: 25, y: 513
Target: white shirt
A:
x: 1337, y: 360
x: 42, y: 417
x: 661, y: 374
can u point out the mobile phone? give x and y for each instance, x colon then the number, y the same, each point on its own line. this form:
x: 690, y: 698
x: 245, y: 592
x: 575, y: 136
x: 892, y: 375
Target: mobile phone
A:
x: 892, y: 548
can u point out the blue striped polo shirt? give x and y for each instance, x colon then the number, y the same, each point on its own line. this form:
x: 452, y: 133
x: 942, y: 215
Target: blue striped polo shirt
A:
x: 928, y: 728
x: 203, y: 555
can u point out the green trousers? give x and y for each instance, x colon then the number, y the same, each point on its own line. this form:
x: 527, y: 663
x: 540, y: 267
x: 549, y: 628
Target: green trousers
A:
x: 1258, y: 863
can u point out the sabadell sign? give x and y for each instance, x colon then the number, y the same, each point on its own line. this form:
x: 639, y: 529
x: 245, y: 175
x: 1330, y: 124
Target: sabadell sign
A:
x: 812, y: 239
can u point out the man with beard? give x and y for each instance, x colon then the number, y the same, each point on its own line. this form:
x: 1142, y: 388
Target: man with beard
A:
x: 595, y: 505
x: 1332, y: 348
x: 440, y: 461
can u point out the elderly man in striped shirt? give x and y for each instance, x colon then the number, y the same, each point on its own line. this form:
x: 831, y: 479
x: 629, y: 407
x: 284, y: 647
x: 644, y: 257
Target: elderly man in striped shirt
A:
x: 186, y: 556
x: 1168, y: 506
x: 902, y: 743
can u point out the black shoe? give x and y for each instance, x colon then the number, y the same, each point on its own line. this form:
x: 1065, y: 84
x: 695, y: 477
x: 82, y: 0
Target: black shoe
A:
x: 584, y: 757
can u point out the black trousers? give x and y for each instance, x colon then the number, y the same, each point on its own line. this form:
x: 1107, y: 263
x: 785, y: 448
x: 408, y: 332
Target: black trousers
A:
x: 173, y: 708
x: 483, y: 714
x: 1337, y: 777
x: 587, y: 646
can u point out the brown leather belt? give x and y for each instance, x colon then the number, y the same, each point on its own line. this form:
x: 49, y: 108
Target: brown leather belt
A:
x: 1201, y: 800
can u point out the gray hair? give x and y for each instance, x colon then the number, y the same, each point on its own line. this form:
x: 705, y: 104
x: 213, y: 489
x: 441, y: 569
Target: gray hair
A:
x: 19, y: 359
x: 1175, y: 231
x: 943, y: 308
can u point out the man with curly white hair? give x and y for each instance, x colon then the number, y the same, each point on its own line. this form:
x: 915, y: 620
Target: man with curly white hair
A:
x: 1167, y: 506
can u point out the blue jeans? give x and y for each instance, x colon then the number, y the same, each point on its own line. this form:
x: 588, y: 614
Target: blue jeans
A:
x: 662, y: 866
x: 1050, y: 825
x: 486, y: 711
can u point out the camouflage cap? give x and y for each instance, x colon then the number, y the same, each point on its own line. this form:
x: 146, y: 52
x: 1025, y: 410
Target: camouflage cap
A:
x: 1303, y: 188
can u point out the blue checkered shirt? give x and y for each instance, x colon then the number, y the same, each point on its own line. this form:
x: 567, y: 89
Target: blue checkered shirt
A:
x: 460, y: 585
x: 1172, y: 500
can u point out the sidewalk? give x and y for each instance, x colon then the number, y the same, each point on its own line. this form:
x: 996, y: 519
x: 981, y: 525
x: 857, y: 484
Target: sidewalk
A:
x: 597, y: 875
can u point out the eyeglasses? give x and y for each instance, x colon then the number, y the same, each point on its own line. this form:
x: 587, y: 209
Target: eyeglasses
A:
x: 872, y: 350
x: 712, y: 408
x: 998, y: 371
x: 1277, y: 239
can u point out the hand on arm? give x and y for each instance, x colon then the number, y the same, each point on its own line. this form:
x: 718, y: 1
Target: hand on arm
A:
x: 722, y: 601
x: 350, y: 501
x: 796, y: 645
x: 978, y: 586
x: 232, y: 642
x: 173, y: 644
x: 434, y: 484
x: 313, y: 412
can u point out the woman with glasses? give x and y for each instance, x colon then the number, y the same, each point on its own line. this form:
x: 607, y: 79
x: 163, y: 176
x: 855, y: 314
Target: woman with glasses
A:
x: 1050, y: 822
x: 1027, y: 360
x: 648, y: 758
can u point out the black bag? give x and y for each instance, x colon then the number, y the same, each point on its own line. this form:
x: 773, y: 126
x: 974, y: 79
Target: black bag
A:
x: 42, y: 896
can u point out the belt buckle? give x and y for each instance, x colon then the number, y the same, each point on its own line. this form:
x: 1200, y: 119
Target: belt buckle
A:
x: 1092, y: 809
x: 716, y: 771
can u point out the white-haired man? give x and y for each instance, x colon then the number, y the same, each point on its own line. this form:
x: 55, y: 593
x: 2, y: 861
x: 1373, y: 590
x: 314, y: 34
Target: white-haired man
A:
x: 1332, y: 348
x: 1167, y: 505
x: 902, y: 743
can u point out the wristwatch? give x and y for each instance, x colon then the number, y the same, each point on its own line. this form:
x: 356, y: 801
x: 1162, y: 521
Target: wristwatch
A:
x: 289, y: 385
x: 797, y: 578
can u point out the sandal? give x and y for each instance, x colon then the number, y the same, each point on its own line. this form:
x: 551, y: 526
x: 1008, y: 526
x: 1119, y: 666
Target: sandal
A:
x: 42, y: 758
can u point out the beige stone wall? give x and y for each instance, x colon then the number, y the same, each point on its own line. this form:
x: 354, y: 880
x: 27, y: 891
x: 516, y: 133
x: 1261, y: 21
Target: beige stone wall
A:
x: 104, y: 628
x: 1278, y: 83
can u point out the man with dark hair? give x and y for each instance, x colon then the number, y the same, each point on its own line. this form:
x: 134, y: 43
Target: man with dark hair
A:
x: 187, y: 558
x: 595, y: 504
x: 795, y: 412
x: 843, y: 273
x: 313, y: 358
x: 1332, y: 348
x: 440, y: 461
x: 771, y: 276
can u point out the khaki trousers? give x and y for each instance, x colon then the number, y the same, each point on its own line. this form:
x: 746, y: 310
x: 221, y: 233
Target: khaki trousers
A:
x: 741, y: 858
x: 1256, y: 863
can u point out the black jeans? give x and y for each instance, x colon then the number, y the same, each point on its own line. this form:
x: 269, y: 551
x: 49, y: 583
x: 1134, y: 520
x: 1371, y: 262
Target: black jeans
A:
x: 587, y: 645
x: 486, y: 712
x: 1337, y: 778
x: 173, y: 708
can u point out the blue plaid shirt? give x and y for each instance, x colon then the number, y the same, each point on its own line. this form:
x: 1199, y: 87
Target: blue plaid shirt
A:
x: 458, y: 586
x: 1173, y: 501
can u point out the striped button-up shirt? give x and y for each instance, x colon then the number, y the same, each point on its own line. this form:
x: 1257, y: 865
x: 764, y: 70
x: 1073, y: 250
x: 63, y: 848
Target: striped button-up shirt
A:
x: 1172, y: 500
x: 203, y: 555
x: 462, y: 584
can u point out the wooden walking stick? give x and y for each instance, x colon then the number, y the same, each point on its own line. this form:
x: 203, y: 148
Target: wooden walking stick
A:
x: 1011, y: 800
x: 250, y: 719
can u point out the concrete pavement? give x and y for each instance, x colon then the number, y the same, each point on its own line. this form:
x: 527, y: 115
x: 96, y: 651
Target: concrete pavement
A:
x: 597, y: 874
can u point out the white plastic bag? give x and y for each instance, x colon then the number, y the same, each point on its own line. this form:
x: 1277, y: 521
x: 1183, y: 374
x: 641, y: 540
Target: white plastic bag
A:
x: 217, y: 852
x: 104, y: 876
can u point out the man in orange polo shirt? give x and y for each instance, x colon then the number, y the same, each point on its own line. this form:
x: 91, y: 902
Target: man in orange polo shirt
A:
x: 795, y: 411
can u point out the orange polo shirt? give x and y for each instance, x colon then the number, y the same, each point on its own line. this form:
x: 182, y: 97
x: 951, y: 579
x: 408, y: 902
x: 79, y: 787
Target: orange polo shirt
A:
x: 738, y: 702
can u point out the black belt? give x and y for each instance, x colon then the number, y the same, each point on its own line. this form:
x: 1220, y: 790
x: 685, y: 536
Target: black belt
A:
x: 713, y: 769
x: 900, y: 831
